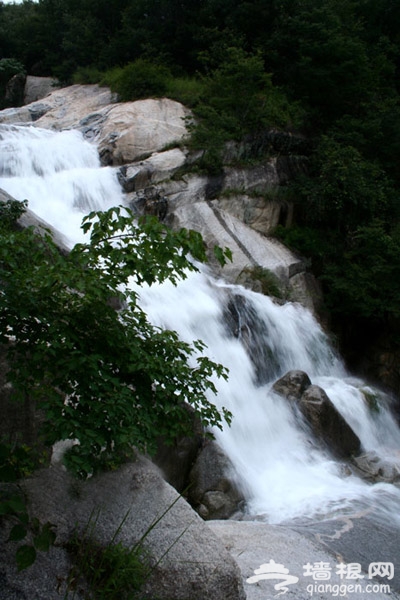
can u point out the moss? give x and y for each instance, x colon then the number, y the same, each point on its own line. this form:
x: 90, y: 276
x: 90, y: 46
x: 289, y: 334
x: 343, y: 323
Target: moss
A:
x: 264, y: 281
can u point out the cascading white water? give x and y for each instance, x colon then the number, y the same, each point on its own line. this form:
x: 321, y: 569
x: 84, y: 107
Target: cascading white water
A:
x: 283, y: 471
x: 58, y: 173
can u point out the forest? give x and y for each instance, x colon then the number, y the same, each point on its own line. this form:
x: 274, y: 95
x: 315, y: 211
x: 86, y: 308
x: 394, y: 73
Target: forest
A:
x: 326, y: 72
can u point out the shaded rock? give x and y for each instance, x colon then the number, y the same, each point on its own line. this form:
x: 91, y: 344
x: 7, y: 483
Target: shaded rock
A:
x: 327, y: 423
x: 213, y: 491
x: 254, y: 211
x: 37, y: 88
x: 14, y: 95
x: 46, y: 579
x: 242, y: 322
x: 176, y: 461
x: 188, y: 560
x: 292, y: 385
x: 374, y: 468
x: 260, y: 178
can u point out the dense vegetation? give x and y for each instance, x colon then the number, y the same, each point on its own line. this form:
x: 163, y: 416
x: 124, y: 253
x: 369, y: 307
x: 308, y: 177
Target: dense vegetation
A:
x: 107, y: 379
x: 328, y: 70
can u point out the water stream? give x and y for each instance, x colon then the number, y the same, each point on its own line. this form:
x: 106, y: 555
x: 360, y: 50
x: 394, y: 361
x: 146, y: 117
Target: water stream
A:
x: 284, y: 473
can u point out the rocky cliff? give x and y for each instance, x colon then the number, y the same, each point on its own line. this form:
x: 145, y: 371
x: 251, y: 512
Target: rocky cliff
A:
x: 145, y: 142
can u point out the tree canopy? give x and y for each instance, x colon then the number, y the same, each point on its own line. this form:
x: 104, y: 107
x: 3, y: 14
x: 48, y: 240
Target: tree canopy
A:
x: 107, y: 379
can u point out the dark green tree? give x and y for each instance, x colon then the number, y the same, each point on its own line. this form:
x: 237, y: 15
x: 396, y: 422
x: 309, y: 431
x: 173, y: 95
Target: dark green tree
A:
x: 108, y: 379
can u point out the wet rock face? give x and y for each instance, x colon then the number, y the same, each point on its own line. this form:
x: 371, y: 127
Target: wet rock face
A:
x: 327, y: 423
x: 292, y: 385
x: 374, y: 468
x: 323, y: 418
x: 213, y: 492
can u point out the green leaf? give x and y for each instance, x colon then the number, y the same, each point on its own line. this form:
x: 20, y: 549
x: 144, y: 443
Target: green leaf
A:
x: 17, y: 533
x: 45, y: 539
x: 25, y: 556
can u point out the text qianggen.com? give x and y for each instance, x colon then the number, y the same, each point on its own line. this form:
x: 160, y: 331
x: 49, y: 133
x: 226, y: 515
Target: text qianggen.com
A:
x: 342, y: 589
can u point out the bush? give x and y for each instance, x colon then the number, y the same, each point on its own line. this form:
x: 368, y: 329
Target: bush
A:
x: 87, y: 75
x: 140, y: 79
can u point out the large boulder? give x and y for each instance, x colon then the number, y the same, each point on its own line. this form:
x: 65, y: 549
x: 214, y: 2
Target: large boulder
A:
x: 213, y: 491
x: 373, y: 467
x: 14, y: 95
x: 292, y: 385
x: 127, y: 506
x: 134, y: 130
x: 124, y: 132
x: 155, y: 169
x: 37, y: 88
x: 325, y: 421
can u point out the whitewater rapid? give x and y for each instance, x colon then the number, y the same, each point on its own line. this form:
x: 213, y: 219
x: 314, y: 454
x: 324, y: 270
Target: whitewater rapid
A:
x: 279, y: 466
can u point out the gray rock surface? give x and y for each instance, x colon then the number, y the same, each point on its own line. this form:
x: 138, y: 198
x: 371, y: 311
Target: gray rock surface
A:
x: 253, y: 544
x: 213, y: 490
x: 375, y: 468
x: 37, y: 88
x: 189, y: 561
x: 29, y: 219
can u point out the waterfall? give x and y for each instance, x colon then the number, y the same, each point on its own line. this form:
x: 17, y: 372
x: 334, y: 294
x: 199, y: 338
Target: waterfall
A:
x: 285, y: 474
x: 58, y: 173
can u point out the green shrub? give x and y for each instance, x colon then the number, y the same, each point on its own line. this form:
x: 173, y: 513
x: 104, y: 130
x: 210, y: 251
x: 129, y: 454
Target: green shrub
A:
x: 10, y: 67
x: 87, y: 75
x: 187, y: 90
x: 140, y: 79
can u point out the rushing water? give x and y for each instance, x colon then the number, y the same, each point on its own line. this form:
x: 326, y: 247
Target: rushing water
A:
x: 283, y: 471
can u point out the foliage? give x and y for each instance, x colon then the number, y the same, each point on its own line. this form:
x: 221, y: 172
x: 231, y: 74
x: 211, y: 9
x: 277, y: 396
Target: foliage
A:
x: 366, y: 282
x: 108, y: 380
x: 238, y: 99
x: 112, y: 571
x: 140, y: 79
x: 17, y: 462
x: 344, y: 190
x: 87, y: 75
x: 269, y: 283
x: 187, y: 90
x: 10, y: 67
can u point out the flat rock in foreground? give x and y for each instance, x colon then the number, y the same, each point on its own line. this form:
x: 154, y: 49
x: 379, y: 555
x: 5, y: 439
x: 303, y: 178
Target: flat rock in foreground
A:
x: 282, y: 552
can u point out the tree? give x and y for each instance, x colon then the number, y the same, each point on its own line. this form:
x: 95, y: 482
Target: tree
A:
x: 107, y: 379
